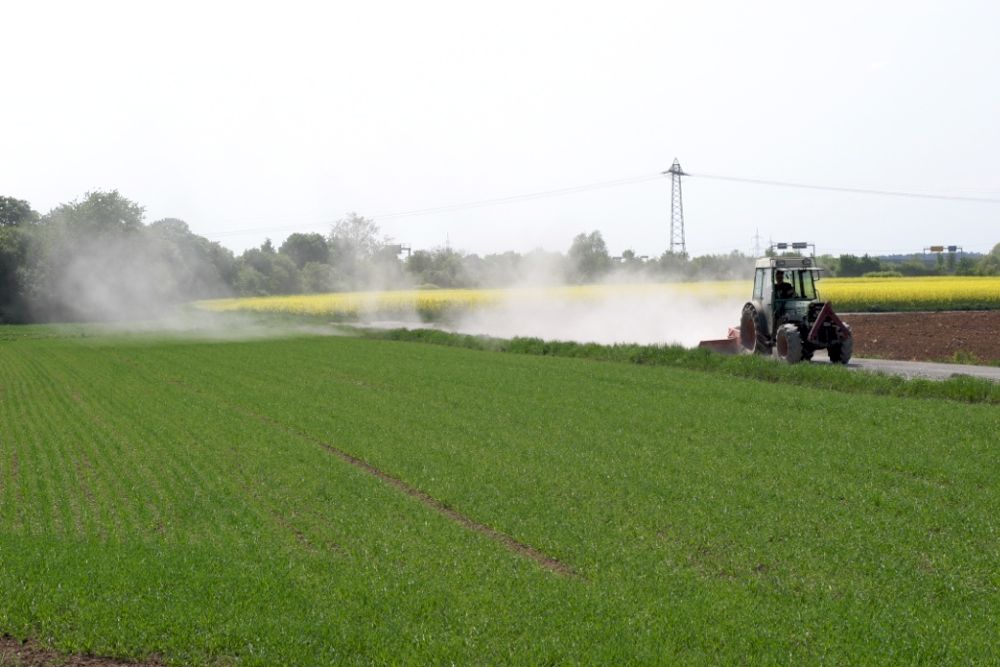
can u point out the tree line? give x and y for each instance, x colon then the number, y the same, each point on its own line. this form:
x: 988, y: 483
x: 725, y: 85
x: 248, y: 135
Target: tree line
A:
x: 936, y: 264
x: 97, y: 258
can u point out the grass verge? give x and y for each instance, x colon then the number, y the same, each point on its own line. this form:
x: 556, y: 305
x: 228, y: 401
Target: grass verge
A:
x: 959, y: 388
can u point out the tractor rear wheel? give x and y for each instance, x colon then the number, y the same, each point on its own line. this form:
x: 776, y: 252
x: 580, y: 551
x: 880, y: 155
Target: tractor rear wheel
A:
x: 753, y: 331
x: 840, y: 353
x: 789, y: 344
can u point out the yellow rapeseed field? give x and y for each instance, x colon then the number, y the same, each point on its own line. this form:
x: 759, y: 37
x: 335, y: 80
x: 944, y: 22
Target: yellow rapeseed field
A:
x: 430, y: 302
x: 923, y: 293
x: 847, y: 294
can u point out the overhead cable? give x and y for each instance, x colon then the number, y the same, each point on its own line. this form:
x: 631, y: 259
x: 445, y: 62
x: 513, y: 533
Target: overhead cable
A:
x: 448, y: 208
x: 834, y: 188
x: 465, y: 205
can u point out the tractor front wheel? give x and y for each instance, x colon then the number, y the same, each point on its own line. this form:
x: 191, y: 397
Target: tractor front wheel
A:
x: 789, y: 344
x: 840, y: 353
x: 753, y: 331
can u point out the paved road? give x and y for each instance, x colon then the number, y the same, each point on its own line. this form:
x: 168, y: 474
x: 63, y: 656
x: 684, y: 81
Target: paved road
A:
x: 923, y: 369
x: 910, y: 369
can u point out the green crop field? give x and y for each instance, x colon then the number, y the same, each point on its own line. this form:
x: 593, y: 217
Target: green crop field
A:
x: 342, y: 500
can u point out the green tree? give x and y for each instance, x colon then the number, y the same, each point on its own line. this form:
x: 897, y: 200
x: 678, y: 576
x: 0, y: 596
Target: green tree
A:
x: 419, y: 265
x: 305, y: 248
x: 16, y: 217
x: 588, y: 257
x: 673, y: 264
x: 88, y: 260
x: 93, y: 258
x: 990, y: 264
x: 734, y: 266
x: 355, y: 237
x: 498, y: 269
x: 830, y: 263
x: 915, y: 266
x: 99, y: 212
x: 319, y: 277
x: 249, y: 281
x: 853, y: 266
x: 262, y: 271
x: 354, y: 243
x: 966, y: 266
x: 16, y: 212
x: 442, y: 267
x: 198, y: 268
x: 13, y: 258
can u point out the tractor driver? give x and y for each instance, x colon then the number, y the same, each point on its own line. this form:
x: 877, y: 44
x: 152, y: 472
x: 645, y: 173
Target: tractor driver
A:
x: 782, y: 290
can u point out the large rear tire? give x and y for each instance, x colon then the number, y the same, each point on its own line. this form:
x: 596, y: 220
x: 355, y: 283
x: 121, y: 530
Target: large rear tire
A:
x: 753, y: 331
x: 788, y: 344
x: 840, y: 353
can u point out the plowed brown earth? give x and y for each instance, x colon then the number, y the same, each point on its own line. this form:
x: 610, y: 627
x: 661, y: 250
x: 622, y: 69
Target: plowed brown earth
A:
x: 29, y: 654
x: 965, y: 336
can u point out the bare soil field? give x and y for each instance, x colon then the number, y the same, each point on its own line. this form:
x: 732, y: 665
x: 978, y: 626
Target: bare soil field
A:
x: 965, y: 336
x: 32, y: 654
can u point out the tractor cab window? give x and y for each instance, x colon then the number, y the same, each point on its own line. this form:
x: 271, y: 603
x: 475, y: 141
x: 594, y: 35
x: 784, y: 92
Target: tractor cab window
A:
x: 784, y: 286
x: 794, y: 284
x: 758, y: 284
x: 805, y: 285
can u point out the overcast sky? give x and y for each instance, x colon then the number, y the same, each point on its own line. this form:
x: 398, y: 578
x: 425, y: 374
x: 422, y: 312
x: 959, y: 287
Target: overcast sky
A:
x: 283, y: 117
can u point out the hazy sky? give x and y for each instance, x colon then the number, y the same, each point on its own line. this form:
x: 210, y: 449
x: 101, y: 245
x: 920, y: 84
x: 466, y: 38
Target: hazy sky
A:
x: 283, y: 117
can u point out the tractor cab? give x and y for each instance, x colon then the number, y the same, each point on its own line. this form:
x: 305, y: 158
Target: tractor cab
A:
x: 784, y: 288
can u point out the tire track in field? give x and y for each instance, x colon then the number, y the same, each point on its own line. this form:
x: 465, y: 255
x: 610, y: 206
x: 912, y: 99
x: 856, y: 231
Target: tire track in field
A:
x: 510, y: 543
x: 276, y: 516
x: 516, y: 546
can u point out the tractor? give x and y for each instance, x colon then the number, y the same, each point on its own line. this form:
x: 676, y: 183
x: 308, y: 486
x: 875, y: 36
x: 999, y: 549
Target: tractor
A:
x: 785, y: 317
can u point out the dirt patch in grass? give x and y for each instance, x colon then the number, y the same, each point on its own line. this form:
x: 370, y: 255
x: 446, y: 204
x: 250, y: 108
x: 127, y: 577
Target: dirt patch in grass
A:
x: 959, y: 336
x: 16, y: 653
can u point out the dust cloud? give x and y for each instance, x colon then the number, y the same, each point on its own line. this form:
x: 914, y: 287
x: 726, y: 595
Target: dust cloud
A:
x: 660, y: 316
x: 134, y: 287
x: 189, y: 323
x: 114, y: 280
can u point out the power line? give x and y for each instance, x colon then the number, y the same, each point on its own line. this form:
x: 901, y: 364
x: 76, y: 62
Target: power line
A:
x: 524, y: 197
x: 603, y: 185
x: 266, y: 230
x: 464, y: 205
x: 833, y: 188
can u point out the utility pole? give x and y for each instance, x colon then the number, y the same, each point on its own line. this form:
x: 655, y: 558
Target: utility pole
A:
x: 676, y: 210
x: 756, y: 242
